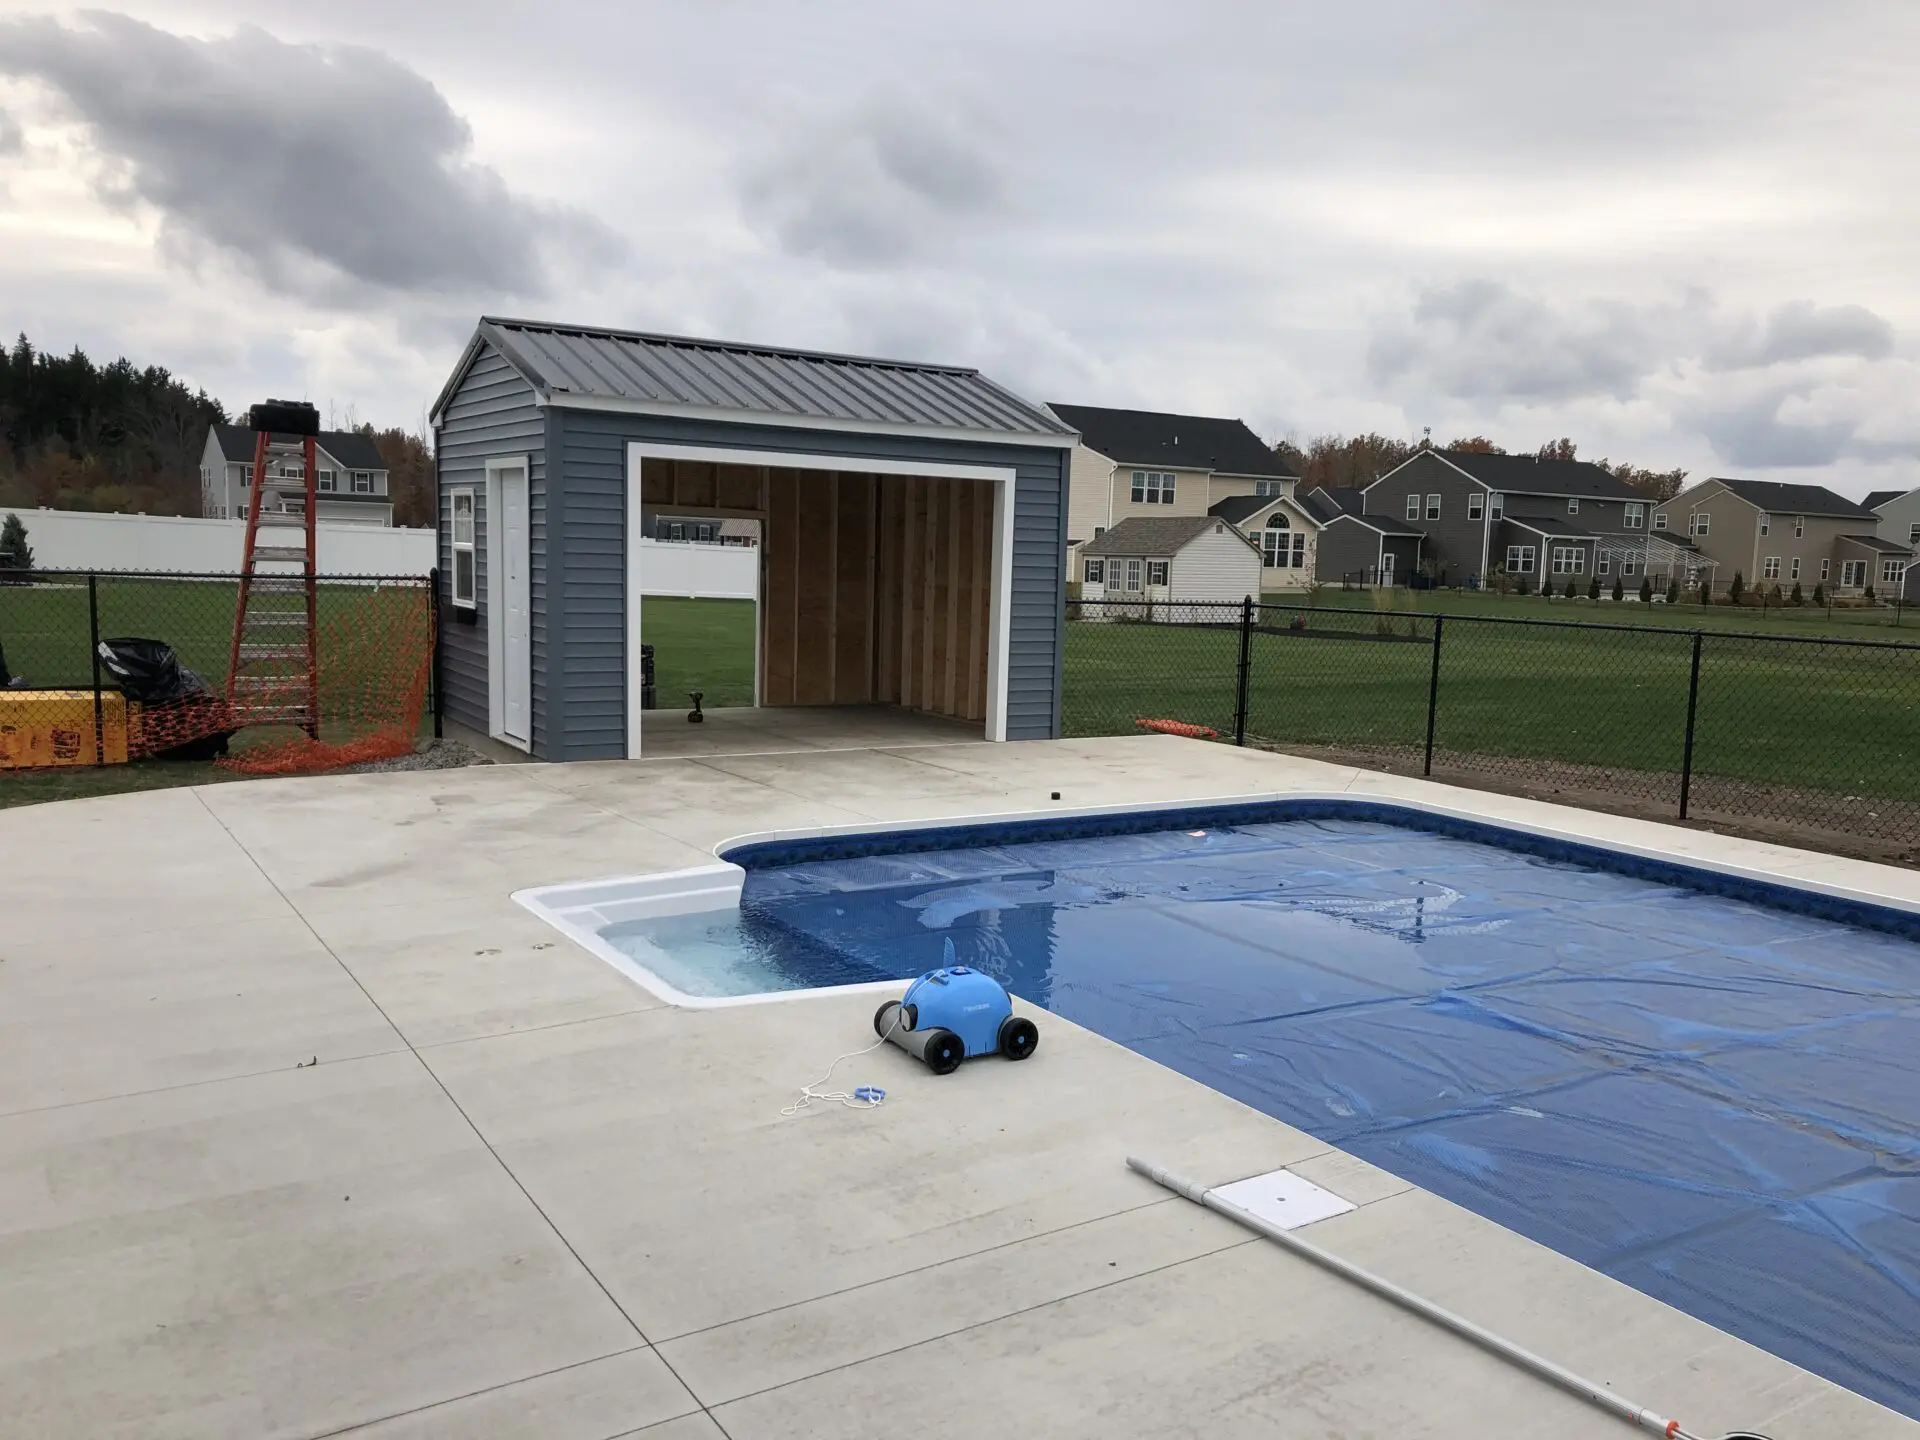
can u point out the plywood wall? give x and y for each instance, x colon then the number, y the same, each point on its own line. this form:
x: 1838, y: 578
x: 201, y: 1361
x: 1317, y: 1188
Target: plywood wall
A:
x: 877, y: 590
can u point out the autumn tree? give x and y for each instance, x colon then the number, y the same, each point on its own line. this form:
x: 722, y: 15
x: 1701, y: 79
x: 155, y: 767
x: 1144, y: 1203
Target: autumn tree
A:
x: 410, y: 475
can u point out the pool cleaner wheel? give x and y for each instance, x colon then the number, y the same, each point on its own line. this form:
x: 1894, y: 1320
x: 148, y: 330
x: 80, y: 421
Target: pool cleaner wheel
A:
x: 940, y: 1050
x: 1018, y: 1037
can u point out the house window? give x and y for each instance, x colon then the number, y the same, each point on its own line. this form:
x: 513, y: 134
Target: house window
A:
x: 246, y: 474
x: 676, y: 530
x: 1133, y: 575
x: 1603, y: 565
x: 1913, y: 534
x: 703, y: 533
x: 1098, y: 531
x: 1282, y: 549
x: 1766, y: 523
x: 1891, y: 571
x: 1628, y: 566
x: 1771, y: 569
x: 1413, y: 507
x: 1096, y: 571
x: 1826, y: 569
x: 1520, y: 559
x: 1499, y: 504
x: 326, y: 480
x: 1569, y: 559
x: 1799, y: 527
x: 463, y: 561
x: 1156, y: 572
x: 1634, y: 517
x: 1476, y: 505
x: 1795, y: 573
x: 1698, y: 522
x: 1853, y: 572
x: 1660, y: 520
x: 240, y: 511
x: 363, y: 482
x: 1433, y: 507
x: 1152, y: 487
x: 1573, y: 506
x: 1267, y: 487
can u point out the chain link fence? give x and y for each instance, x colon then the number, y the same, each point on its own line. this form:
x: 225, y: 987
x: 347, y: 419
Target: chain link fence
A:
x: 1805, y: 733
x: 78, y: 686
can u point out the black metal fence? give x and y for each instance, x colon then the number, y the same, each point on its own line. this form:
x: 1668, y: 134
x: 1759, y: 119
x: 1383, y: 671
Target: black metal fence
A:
x: 1817, y: 733
x: 62, y: 694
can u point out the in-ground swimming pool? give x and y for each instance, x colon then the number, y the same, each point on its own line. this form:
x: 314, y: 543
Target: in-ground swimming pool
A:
x: 1706, y: 1095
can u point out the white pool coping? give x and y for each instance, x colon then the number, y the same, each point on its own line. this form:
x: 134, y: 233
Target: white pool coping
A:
x: 582, y: 910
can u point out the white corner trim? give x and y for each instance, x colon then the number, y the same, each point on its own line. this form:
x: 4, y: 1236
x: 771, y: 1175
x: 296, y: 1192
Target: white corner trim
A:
x: 1003, y: 478
x: 496, y: 609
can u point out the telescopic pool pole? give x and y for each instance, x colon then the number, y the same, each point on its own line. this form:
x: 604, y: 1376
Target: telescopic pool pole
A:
x: 1590, y: 1391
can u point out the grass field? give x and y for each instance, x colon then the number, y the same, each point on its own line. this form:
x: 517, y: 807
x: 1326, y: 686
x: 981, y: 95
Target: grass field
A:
x: 1805, y: 715
x: 704, y: 645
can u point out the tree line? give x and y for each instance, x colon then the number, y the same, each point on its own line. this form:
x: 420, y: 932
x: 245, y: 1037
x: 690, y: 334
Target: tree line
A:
x: 75, y: 435
x: 1346, y: 462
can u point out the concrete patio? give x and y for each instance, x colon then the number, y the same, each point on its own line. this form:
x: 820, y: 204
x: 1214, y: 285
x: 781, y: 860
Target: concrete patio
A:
x: 308, y: 1130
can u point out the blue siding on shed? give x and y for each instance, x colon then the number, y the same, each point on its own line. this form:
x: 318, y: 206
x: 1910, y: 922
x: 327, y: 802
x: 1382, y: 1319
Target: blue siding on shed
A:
x: 490, y: 415
x: 590, y: 480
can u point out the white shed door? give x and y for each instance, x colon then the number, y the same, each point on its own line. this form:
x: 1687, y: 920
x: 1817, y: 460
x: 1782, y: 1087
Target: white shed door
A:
x: 516, y: 603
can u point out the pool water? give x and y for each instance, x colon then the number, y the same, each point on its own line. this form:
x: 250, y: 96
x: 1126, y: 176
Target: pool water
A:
x: 1715, y: 1101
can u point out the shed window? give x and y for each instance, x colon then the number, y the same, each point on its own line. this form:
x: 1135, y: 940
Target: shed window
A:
x: 462, y: 535
x: 1096, y: 571
x: 1156, y: 572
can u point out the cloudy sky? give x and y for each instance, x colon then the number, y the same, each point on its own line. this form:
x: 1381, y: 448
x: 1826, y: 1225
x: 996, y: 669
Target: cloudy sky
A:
x: 1683, y: 233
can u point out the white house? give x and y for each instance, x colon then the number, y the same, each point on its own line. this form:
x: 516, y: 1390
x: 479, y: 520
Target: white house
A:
x: 351, y: 485
x: 1178, y: 559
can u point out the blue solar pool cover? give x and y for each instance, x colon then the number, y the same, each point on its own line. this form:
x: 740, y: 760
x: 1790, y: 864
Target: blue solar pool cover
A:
x: 1715, y: 1101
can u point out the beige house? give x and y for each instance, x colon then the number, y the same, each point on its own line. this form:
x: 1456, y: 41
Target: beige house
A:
x: 1167, y: 560
x: 1286, y: 533
x: 1150, y: 465
x: 1770, y: 533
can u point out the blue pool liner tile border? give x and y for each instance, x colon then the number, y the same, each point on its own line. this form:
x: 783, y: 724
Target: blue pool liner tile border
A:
x: 768, y: 854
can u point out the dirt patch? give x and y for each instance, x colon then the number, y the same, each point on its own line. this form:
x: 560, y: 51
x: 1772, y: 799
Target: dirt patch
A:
x: 1862, y: 827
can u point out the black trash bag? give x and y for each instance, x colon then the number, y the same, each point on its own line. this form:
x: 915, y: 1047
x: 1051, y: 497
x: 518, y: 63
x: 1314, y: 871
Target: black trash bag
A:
x: 148, y: 670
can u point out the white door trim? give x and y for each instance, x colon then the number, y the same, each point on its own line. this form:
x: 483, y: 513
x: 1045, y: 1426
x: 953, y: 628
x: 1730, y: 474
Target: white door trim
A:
x: 1002, y: 478
x: 496, y: 604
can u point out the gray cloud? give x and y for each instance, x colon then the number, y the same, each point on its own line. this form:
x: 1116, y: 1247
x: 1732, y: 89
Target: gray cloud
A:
x: 1481, y: 339
x: 1801, y: 330
x: 325, y: 169
x: 879, y: 187
x: 12, y: 140
x: 1751, y: 433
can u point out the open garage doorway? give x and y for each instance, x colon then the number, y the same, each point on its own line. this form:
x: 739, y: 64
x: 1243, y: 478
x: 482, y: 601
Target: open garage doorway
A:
x: 880, y: 606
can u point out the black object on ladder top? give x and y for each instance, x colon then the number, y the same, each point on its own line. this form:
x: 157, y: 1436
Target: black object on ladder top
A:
x: 273, y: 676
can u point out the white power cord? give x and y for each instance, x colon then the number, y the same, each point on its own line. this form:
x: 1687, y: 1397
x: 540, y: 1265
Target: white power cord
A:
x: 862, y: 1097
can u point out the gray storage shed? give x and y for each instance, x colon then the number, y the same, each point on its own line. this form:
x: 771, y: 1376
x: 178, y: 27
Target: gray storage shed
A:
x: 913, y: 520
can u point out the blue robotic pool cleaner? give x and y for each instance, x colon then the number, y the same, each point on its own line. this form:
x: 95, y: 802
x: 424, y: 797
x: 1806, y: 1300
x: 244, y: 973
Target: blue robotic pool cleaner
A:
x: 954, y: 1014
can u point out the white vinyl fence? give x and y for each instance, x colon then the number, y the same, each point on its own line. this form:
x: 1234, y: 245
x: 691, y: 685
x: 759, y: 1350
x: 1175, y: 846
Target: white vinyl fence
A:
x: 699, y: 572
x: 86, y: 540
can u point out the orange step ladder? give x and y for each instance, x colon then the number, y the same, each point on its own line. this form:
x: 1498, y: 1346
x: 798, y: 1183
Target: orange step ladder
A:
x: 273, y: 677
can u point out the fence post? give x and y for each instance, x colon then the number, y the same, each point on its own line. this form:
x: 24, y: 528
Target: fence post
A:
x: 1693, y: 707
x: 93, y: 634
x: 1244, y: 673
x: 433, y: 668
x: 1433, y: 691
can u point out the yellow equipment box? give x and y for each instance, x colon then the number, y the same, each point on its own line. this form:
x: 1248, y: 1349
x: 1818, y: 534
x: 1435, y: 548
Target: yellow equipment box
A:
x: 55, y: 727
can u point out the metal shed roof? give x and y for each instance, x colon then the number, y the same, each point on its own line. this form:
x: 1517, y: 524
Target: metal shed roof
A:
x: 628, y: 370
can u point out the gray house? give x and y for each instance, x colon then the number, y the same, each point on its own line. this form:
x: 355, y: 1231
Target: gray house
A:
x: 1356, y: 548
x: 913, y: 524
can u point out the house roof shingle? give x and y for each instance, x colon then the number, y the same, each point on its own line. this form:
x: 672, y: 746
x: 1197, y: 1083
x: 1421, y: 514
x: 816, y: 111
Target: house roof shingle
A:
x: 349, y: 447
x: 1874, y: 542
x: 1551, y: 525
x: 1327, y: 504
x: 1528, y: 475
x: 1237, y: 509
x: 1876, y: 498
x: 1154, y: 536
x: 587, y: 363
x: 1777, y: 497
x: 1192, y: 442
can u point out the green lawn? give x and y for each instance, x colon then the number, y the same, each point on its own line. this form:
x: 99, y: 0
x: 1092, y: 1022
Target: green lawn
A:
x: 1821, y: 716
x: 704, y: 645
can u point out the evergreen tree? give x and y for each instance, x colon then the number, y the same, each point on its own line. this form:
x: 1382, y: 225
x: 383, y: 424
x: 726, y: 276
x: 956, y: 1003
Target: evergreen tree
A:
x: 15, y: 553
x: 1646, y: 591
x: 1737, y: 588
x: 1619, y: 590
